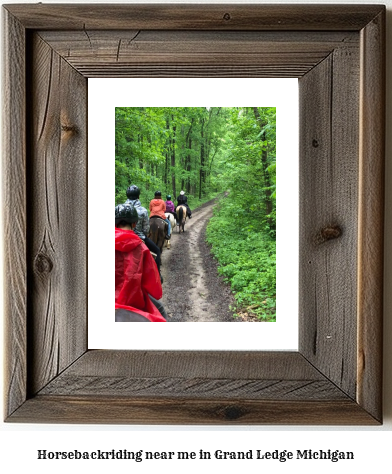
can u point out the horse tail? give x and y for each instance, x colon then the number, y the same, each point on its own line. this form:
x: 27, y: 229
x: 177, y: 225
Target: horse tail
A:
x: 180, y: 214
x: 152, y: 233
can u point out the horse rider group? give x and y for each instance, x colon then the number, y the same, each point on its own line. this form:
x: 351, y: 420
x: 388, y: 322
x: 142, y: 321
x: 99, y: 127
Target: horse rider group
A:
x: 138, y: 280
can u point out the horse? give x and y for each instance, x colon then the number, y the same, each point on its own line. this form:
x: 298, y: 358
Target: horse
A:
x: 172, y: 220
x: 158, y: 231
x: 181, y: 217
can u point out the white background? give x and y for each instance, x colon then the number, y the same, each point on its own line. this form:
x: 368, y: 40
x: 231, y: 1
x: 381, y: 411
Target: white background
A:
x: 19, y: 443
x: 103, y: 332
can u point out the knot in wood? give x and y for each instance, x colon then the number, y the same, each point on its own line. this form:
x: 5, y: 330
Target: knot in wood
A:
x: 227, y: 16
x: 232, y: 413
x: 328, y: 233
x: 69, y: 128
x: 43, y: 264
x: 315, y: 143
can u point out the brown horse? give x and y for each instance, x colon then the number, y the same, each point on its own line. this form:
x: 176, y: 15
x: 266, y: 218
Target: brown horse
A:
x: 181, y: 217
x: 158, y: 231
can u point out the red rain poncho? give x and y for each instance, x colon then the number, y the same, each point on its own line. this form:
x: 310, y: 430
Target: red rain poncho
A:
x: 136, y: 276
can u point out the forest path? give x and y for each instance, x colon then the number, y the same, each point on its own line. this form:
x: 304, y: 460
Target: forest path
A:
x: 192, y: 289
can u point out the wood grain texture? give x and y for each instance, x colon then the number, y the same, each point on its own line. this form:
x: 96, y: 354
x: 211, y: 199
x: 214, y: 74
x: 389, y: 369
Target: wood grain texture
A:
x: 208, y: 375
x: 196, y: 53
x: 194, y: 17
x: 102, y: 409
x: 371, y: 216
x: 205, y: 364
x: 193, y: 387
x: 57, y: 209
x: 188, y: 387
x: 329, y: 98
x: 14, y: 211
x: 335, y: 378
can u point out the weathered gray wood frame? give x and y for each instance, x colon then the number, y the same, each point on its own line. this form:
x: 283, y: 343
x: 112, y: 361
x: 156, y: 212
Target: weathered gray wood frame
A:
x: 337, y: 52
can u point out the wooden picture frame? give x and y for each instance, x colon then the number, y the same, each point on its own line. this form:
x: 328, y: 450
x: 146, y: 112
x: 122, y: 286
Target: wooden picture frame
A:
x: 338, y: 54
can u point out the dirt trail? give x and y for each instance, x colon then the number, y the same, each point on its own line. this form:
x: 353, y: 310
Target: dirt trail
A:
x: 192, y: 289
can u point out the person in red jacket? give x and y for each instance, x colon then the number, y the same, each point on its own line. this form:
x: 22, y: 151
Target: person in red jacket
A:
x: 137, y: 281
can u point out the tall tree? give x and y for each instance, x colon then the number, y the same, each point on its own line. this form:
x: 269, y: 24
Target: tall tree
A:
x: 262, y: 122
x: 173, y: 155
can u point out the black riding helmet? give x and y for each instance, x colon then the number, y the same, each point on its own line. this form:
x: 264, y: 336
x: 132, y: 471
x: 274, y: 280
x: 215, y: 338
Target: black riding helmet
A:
x: 158, y: 194
x: 133, y: 192
x: 168, y: 197
x: 125, y: 213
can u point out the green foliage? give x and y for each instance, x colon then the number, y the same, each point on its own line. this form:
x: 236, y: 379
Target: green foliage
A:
x: 247, y: 258
x: 249, y: 162
x: 207, y: 151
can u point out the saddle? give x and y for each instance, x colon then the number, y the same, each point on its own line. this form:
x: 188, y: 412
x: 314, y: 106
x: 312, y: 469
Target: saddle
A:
x: 157, y: 217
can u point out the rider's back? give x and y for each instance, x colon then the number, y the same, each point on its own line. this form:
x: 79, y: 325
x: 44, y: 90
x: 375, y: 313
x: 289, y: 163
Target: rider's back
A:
x: 157, y: 208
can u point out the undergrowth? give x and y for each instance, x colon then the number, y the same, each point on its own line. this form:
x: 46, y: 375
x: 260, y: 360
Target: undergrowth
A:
x: 246, y: 253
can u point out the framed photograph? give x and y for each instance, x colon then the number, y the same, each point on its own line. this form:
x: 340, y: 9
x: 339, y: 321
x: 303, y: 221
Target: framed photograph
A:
x: 206, y: 302
x: 337, y: 52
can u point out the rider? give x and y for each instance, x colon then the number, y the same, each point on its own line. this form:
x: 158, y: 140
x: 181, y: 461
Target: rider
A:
x: 170, y: 206
x: 182, y: 200
x: 143, y: 225
x: 158, y: 208
x: 137, y: 282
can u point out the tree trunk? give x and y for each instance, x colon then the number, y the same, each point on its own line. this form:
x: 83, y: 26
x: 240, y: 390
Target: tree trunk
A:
x: 202, y: 158
x: 188, y: 146
x: 264, y: 160
x: 173, y: 159
x: 188, y: 167
x: 167, y: 147
x: 165, y: 179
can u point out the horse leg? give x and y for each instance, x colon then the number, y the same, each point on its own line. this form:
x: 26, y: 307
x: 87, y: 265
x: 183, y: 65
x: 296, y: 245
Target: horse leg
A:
x: 168, y: 241
x: 162, y: 234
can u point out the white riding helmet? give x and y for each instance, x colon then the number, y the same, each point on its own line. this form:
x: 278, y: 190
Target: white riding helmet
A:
x: 182, y: 193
